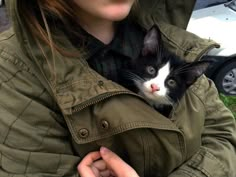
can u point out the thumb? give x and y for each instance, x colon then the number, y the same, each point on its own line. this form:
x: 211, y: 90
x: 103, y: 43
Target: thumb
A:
x: 116, y: 164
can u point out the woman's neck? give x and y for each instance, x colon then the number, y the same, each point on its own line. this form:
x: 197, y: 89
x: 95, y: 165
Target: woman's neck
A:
x: 101, y: 29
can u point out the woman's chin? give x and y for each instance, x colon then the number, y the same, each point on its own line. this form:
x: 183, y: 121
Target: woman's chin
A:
x: 119, y: 18
x: 117, y: 14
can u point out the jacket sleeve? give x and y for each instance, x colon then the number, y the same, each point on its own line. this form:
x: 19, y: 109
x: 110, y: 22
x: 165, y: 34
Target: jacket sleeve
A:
x: 217, y: 155
x: 34, y: 140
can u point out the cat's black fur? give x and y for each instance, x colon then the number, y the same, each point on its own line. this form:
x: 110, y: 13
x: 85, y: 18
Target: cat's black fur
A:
x: 152, y: 57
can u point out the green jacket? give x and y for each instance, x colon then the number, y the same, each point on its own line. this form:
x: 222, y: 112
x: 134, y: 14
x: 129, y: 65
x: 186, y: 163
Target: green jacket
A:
x: 47, y: 126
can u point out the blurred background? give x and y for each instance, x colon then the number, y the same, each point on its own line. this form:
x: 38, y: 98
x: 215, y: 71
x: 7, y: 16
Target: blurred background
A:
x: 207, y: 3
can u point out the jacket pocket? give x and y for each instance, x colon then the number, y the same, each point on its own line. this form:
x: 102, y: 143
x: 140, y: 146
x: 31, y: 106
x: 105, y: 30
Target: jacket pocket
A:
x: 115, y: 115
x: 202, y: 164
x: 206, y: 164
x: 164, y: 152
x: 132, y: 129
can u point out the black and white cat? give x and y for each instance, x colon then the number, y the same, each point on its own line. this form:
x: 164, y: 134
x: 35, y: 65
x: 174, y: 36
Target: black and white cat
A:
x: 160, y: 76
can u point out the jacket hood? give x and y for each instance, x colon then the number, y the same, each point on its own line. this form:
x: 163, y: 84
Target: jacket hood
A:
x: 22, y: 34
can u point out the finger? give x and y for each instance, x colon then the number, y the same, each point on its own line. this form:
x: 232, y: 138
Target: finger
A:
x: 116, y: 164
x: 100, y: 165
x: 95, y: 171
x: 84, y: 167
x: 106, y: 173
x: 90, y: 158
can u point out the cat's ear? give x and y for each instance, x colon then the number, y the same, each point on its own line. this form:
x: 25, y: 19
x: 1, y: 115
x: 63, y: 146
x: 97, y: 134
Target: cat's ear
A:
x: 152, y: 41
x: 195, y: 70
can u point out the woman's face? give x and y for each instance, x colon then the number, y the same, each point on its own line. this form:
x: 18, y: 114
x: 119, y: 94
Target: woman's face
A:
x: 111, y: 10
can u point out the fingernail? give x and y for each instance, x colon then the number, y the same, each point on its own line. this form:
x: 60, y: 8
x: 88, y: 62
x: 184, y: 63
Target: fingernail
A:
x: 104, y: 150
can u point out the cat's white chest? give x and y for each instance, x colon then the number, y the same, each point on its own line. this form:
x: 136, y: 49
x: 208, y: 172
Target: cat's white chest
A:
x: 159, y: 81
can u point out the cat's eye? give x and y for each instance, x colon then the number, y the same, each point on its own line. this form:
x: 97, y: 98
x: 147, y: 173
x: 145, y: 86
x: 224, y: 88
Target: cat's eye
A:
x: 171, y: 83
x: 151, y: 70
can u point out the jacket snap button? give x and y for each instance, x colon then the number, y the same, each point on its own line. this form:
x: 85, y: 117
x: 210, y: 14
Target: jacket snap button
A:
x: 100, y: 83
x: 83, y: 133
x: 104, y: 124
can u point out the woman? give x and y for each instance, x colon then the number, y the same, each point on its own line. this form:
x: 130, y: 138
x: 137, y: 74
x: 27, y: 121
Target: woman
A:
x: 58, y: 102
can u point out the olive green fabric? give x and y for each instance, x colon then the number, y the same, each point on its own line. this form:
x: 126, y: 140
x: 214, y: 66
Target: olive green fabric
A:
x: 49, y: 121
x: 176, y: 13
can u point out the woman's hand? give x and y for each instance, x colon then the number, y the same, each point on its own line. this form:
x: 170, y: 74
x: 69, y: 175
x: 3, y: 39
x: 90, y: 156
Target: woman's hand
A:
x: 110, y: 165
x: 93, y: 166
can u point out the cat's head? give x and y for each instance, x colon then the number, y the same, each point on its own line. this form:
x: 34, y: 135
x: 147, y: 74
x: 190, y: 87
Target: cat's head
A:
x: 159, y: 75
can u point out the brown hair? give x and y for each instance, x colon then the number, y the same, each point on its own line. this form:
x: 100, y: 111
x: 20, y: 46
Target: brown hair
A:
x: 37, y: 14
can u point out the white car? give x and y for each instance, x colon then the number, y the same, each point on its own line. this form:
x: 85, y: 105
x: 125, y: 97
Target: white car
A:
x: 219, y: 24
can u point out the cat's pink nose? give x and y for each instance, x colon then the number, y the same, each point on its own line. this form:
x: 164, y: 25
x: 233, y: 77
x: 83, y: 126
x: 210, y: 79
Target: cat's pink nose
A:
x: 155, y: 87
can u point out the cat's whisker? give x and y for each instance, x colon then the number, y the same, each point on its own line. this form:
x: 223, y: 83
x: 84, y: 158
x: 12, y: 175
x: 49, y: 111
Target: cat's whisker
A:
x: 169, y: 100
x: 182, y: 70
x: 134, y: 77
x: 177, y: 102
x: 165, y: 100
x: 184, y: 67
